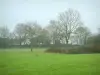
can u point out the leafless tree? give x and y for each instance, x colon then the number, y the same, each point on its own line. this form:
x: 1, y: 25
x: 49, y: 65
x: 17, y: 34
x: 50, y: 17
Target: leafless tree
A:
x: 20, y: 32
x: 82, y: 34
x: 33, y: 30
x: 69, y: 21
x: 54, y: 31
x: 4, y: 32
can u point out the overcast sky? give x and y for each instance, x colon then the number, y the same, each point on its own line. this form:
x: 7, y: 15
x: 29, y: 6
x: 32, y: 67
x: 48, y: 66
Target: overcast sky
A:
x: 13, y: 12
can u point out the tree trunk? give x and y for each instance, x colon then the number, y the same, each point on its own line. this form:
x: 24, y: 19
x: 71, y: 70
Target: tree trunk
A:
x: 31, y: 47
x: 67, y: 41
x: 20, y: 41
x: 85, y: 40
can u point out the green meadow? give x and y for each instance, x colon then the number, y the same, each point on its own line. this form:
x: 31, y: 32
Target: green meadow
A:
x: 25, y: 62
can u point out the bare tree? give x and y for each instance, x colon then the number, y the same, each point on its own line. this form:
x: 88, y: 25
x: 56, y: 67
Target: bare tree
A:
x: 54, y: 31
x: 4, y: 37
x: 4, y: 32
x: 69, y: 21
x: 20, y: 32
x: 33, y: 30
x: 82, y: 34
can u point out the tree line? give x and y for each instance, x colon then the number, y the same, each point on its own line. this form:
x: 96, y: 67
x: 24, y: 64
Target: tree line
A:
x: 68, y: 28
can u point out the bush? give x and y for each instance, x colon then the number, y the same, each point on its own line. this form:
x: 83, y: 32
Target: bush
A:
x: 65, y: 50
x: 75, y: 50
x: 94, y: 43
x: 57, y: 50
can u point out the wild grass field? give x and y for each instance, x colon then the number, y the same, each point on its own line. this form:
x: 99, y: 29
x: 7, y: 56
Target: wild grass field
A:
x: 24, y: 62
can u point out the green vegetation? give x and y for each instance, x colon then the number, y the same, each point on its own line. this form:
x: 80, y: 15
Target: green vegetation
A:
x: 25, y: 62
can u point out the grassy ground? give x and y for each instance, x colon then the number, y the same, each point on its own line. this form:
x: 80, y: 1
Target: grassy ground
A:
x: 24, y: 62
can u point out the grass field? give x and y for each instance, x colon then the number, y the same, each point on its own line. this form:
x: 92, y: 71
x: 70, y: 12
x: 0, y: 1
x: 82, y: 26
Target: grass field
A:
x: 24, y: 62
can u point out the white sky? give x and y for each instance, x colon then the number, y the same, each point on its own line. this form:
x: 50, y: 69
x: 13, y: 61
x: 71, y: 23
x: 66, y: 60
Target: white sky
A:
x: 13, y: 12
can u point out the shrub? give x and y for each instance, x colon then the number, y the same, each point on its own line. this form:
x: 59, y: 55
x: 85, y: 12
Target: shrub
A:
x: 57, y: 50
x: 75, y: 50
x: 64, y: 50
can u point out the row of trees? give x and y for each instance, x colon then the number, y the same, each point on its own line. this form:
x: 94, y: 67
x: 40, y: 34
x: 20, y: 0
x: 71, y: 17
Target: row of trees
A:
x: 68, y: 28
